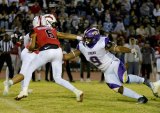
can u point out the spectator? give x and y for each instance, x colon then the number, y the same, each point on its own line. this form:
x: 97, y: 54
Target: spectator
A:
x: 157, y: 56
x: 132, y: 62
x: 67, y: 49
x: 84, y: 65
x: 17, y: 22
x: 125, y: 7
x: 147, y: 60
x: 23, y: 7
x: 3, y: 6
x: 99, y: 11
x: 120, y: 42
x: 35, y: 9
x: 126, y: 20
x: 156, y: 10
x: 150, y: 32
x: 145, y: 10
x: 140, y: 32
x: 4, y: 20
x: 48, y: 70
x: 113, y: 11
x: 15, y: 53
x: 156, y: 13
x: 119, y: 27
x: 13, y: 7
x: 107, y: 26
x: 11, y: 17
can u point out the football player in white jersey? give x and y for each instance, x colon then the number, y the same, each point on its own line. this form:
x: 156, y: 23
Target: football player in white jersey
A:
x: 96, y: 49
x: 25, y: 72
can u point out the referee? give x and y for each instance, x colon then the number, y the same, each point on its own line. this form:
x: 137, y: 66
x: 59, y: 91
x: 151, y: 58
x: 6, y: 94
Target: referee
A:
x: 5, y: 47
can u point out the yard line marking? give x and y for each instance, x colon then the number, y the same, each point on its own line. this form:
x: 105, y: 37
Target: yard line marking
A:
x: 14, y: 105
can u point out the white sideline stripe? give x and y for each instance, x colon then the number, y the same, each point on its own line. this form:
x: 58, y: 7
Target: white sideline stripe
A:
x: 14, y: 105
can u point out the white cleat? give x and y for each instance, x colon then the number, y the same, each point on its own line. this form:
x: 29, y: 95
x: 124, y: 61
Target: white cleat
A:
x: 81, y: 80
x: 6, y: 88
x: 88, y: 80
x: 79, y: 96
x: 22, y: 94
x: 155, y: 89
x: 154, y: 86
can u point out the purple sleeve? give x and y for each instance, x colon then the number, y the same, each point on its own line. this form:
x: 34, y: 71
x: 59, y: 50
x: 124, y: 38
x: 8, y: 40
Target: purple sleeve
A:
x: 106, y: 40
x: 108, y: 43
x: 77, y: 47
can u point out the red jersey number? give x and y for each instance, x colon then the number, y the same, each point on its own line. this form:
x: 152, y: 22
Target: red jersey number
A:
x: 49, y: 33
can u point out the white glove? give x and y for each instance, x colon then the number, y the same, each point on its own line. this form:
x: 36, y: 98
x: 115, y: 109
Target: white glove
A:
x: 79, y: 38
x: 134, y: 51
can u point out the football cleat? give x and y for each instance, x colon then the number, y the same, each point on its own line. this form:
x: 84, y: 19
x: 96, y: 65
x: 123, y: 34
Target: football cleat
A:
x: 142, y: 100
x: 88, y: 80
x: 22, y: 94
x: 6, y: 88
x: 152, y: 86
x: 155, y: 89
x: 79, y: 96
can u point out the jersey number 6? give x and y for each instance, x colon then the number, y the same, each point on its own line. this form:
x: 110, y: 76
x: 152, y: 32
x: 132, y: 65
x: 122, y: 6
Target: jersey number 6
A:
x: 49, y: 33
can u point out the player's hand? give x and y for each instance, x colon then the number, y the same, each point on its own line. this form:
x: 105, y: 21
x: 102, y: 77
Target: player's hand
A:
x: 79, y: 38
x: 134, y: 51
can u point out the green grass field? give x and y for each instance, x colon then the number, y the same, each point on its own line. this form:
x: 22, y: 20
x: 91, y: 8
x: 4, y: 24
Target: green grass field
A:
x: 49, y: 97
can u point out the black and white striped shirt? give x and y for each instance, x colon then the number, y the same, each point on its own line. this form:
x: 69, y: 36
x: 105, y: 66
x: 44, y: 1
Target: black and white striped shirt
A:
x: 6, y: 46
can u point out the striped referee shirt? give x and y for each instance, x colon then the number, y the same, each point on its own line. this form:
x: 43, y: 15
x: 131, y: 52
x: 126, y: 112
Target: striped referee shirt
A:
x: 6, y: 46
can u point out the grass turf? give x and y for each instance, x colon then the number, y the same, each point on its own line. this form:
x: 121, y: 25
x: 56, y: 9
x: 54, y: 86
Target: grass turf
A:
x: 48, y: 97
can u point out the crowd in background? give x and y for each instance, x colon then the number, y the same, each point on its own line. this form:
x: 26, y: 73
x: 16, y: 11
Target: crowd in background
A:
x: 131, y: 23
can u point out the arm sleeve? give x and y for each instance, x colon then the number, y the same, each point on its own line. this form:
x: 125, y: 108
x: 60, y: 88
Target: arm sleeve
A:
x: 108, y: 43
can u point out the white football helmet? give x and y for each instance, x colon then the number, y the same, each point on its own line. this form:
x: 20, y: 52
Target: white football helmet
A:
x: 51, y: 20
x: 39, y: 21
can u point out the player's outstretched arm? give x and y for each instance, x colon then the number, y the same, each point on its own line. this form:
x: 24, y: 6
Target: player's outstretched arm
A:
x: 71, y: 55
x: 62, y: 35
x: 123, y: 49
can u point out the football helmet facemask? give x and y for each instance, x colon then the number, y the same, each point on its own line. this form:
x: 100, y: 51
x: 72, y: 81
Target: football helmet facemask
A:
x: 51, y: 20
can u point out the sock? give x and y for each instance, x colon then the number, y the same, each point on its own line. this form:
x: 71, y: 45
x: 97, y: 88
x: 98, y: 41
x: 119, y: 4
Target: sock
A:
x: 76, y: 91
x: 10, y: 82
x: 135, y: 79
x: 25, y: 89
x: 130, y: 93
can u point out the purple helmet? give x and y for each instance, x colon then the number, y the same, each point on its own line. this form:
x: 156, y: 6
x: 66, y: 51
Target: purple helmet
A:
x: 91, y: 36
